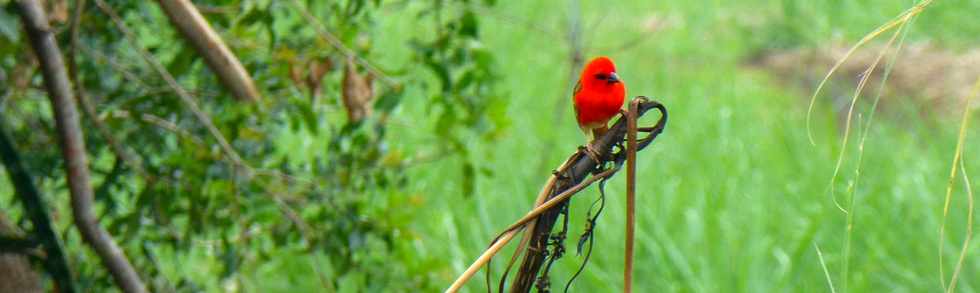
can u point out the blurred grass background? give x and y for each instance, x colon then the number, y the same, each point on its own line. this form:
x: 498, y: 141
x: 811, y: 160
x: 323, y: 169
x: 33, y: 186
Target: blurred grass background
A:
x: 732, y: 198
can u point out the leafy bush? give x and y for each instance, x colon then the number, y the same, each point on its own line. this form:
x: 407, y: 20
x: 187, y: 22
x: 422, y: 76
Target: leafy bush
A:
x: 313, y: 188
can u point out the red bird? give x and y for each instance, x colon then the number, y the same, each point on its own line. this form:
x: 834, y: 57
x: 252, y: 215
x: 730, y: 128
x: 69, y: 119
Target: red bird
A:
x: 598, y: 97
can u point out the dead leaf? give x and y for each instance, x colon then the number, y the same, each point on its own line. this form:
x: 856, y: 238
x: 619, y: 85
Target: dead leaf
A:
x: 357, y: 93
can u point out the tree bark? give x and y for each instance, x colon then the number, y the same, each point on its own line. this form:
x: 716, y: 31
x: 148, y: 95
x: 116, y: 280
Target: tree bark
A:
x: 209, y: 45
x: 73, y: 147
x: 16, y: 273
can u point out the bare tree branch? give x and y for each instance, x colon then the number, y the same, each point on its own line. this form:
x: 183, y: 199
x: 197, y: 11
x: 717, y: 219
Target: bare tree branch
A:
x: 209, y: 45
x: 73, y: 147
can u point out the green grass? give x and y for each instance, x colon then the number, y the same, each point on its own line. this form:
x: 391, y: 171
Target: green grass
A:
x: 732, y: 197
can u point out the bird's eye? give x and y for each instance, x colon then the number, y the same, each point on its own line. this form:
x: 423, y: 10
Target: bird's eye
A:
x: 601, y: 76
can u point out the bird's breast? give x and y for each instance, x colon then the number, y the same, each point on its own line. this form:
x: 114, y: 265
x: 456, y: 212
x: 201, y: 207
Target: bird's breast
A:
x: 595, y: 107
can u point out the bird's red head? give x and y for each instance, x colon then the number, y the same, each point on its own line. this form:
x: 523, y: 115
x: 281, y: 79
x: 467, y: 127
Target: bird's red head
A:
x: 600, y: 75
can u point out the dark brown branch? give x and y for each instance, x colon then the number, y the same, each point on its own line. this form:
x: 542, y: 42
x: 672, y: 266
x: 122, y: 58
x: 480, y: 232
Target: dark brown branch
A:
x: 73, y: 147
x: 209, y: 45
x: 578, y: 169
x: 17, y: 244
x: 36, y: 210
x: 16, y: 252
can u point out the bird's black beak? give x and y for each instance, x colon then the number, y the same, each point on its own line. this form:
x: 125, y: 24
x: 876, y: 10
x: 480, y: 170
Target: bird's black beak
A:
x: 613, y: 78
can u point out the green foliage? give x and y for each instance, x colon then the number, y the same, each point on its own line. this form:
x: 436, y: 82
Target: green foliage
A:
x: 463, y: 67
x: 316, y: 185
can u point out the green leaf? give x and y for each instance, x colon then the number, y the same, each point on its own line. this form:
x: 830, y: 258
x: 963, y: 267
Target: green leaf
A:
x: 9, y: 26
x: 253, y: 15
x: 305, y: 110
x: 388, y: 101
x: 182, y: 61
x: 469, y: 25
x: 469, y: 179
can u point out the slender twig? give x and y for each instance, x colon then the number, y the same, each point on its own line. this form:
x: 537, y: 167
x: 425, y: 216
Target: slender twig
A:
x: 121, y: 152
x: 630, y: 194
x: 158, y: 122
x: 192, y: 25
x: 185, y: 97
x: 553, y: 201
x: 129, y: 76
x: 482, y: 260
x: 510, y: 263
x: 73, y: 147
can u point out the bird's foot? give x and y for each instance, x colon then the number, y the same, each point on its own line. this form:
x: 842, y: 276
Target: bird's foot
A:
x: 561, y: 175
x: 590, y: 151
